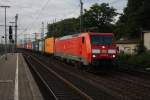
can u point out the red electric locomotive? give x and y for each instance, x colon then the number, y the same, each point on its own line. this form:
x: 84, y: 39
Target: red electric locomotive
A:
x: 87, y: 48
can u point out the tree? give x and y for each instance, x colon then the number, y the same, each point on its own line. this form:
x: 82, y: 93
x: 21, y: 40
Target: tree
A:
x: 100, y: 17
x: 141, y: 48
x: 136, y: 18
x: 64, y: 27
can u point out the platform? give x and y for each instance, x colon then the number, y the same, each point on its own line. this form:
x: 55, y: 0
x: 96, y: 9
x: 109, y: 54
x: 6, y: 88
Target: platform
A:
x: 16, y: 81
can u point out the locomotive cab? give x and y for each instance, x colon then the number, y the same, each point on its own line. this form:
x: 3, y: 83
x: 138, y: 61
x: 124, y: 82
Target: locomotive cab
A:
x: 103, y: 48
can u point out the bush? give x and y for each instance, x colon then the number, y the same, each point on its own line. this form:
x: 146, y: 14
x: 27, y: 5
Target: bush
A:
x: 123, y: 57
x: 141, y: 59
x: 141, y: 48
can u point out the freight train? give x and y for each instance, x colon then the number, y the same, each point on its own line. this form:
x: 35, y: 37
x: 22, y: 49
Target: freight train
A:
x: 84, y: 48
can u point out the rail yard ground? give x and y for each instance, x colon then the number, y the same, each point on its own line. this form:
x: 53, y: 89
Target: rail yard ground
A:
x: 62, y: 81
x: 43, y: 77
x: 74, y: 50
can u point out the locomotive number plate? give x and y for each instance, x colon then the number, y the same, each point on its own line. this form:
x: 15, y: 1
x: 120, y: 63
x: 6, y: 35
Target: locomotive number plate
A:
x: 104, y: 51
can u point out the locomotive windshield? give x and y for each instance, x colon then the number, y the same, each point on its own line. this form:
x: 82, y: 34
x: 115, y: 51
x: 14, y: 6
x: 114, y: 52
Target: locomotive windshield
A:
x: 98, y: 39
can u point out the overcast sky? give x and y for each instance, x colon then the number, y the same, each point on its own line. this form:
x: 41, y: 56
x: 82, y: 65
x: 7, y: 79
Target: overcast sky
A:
x: 33, y: 12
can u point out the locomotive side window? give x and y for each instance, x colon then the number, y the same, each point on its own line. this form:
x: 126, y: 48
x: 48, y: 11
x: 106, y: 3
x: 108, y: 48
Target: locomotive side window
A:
x: 83, y: 39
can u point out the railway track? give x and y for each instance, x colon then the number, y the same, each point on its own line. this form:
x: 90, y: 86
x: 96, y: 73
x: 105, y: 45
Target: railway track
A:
x: 123, y: 85
x: 134, y: 70
x: 56, y: 88
x: 59, y: 87
x: 128, y: 86
x: 46, y: 90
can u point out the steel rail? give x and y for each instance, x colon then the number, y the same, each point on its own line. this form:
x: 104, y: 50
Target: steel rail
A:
x: 45, y: 83
x: 64, y: 80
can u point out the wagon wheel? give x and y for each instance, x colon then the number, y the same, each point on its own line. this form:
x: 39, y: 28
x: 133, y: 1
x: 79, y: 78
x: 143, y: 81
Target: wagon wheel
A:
x: 78, y: 65
x: 88, y: 68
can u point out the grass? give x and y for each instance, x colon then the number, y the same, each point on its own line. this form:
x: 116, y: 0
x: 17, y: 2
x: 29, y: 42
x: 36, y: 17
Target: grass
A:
x: 142, y: 59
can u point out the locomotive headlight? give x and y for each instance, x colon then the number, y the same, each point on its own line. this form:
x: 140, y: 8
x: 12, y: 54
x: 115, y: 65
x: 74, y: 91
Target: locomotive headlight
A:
x: 114, y: 56
x: 103, y: 47
x: 94, y: 56
x: 112, y: 51
x: 95, y: 51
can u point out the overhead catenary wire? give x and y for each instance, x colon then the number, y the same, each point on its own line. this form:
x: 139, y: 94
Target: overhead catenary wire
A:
x: 36, y: 18
x: 29, y: 26
x: 112, y: 2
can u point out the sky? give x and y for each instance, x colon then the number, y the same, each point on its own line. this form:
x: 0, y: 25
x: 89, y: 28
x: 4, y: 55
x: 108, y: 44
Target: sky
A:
x: 33, y: 12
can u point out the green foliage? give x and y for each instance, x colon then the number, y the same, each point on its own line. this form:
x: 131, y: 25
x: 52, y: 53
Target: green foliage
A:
x: 97, y: 18
x: 100, y: 16
x: 123, y: 57
x: 140, y: 59
x: 136, y: 18
x: 64, y: 27
x: 141, y: 48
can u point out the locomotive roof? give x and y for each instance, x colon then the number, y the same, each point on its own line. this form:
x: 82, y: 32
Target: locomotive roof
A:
x: 92, y: 33
x: 82, y: 34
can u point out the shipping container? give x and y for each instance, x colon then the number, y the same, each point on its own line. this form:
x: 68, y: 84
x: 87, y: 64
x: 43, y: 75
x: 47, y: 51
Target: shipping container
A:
x: 35, y: 46
x: 49, y: 45
x: 29, y: 45
x: 41, y: 45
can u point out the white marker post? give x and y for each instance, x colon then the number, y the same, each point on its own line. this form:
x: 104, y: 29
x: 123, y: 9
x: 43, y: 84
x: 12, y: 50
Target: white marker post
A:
x: 16, y: 96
